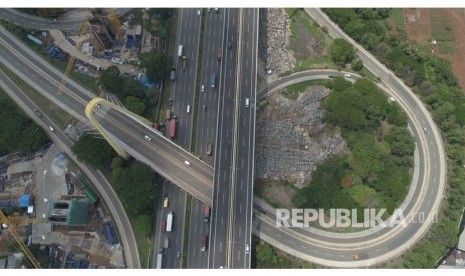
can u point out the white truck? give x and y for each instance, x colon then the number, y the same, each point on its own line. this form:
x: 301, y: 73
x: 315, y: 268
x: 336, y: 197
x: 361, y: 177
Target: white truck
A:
x: 160, y: 261
x: 169, y: 222
x: 180, y: 51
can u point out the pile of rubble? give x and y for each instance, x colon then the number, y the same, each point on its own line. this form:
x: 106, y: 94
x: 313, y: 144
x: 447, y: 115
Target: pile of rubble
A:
x: 289, y: 148
x: 274, y: 39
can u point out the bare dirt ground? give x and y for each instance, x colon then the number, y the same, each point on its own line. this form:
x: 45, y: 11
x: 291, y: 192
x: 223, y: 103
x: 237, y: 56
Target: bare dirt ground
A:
x: 418, y: 28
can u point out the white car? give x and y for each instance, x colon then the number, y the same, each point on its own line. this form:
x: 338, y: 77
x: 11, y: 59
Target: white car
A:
x: 247, y: 249
x: 347, y: 75
x: 425, y: 130
x: 148, y: 138
x: 202, y: 88
x: 198, y: 12
x: 187, y: 163
x: 51, y: 128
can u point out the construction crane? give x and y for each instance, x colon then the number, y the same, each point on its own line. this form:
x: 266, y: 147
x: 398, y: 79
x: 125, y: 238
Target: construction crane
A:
x: 115, y: 23
x: 82, y: 30
x: 28, y: 255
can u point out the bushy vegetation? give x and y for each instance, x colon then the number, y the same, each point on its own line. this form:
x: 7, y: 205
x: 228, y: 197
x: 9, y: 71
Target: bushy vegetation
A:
x: 432, y: 78
x: 375, y: 174
x: 18, y: 132
x: 93, y: 151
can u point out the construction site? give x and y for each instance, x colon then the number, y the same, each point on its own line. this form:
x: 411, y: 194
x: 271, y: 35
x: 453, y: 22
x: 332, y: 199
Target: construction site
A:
x: 50, y: 204
x: 103, y: 40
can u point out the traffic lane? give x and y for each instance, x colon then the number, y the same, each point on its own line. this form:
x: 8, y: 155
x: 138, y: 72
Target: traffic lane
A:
x: 176, y: 199
x: 198, y: 229
x: 222, y: 205
x: 42, y: 84
x: 28, y: 59
x: 177, y: 153
x: 159, y: 158
x: 244, y: 178
x: 36, y: 22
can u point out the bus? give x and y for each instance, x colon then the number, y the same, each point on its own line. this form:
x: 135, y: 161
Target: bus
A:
x: 169, y: 222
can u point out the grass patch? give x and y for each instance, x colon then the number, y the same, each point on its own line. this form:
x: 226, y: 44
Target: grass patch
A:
x: 144, y: 246
x: 446, y: 48
x: 53, y: 111
x: 321, y: 62
x: 293, y: 91
x: 185, y: 246
x: 397, y: 16
x: 259, y: 191
x: 441, y: 27
x: 369, y: 75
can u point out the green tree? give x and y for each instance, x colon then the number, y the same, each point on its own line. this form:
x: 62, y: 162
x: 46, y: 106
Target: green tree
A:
x: 112, y: 80
x: 134, y: 104
x: 341, y: 51
x: 156, y: 65
x: 136, y: 187
x: 93, y: 151
x: 357, y: 65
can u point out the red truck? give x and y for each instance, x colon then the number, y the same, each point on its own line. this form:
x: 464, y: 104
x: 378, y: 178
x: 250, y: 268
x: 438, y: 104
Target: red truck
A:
x: 173, y: 128
x: 204, y: 245
x: 206, y: 212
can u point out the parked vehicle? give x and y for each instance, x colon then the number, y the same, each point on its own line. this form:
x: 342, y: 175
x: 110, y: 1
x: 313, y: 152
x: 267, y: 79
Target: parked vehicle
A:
x: 165, y: 203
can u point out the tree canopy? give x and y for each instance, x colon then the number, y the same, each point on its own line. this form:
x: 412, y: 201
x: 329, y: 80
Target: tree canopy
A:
x: 92, y: 150
x: 341, y: 51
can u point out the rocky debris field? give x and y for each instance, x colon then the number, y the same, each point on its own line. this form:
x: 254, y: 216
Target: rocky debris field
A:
x: 291, y: 139
x: 274, y: 39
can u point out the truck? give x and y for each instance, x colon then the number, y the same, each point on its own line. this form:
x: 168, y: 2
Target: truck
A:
x: 184, y: 63
x: 213, y: 80
x: 160, y: 261
x: 206, y: 213
x: 173, y: 128
x: 167, y: 242
x: 219, y: 51
x: 169, y: 222
x: 180, y: 51
x: 204, y: 244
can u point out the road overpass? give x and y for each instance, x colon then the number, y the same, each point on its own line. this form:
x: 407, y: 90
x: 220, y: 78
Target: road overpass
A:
x: 334, y: 249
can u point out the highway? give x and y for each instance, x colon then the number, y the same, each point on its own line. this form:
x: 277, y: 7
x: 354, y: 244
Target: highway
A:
x: 243, y: 166
x: 336, y: 249
x: 214, y: 28
x: 220, y: 217
x: 182, y: 95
